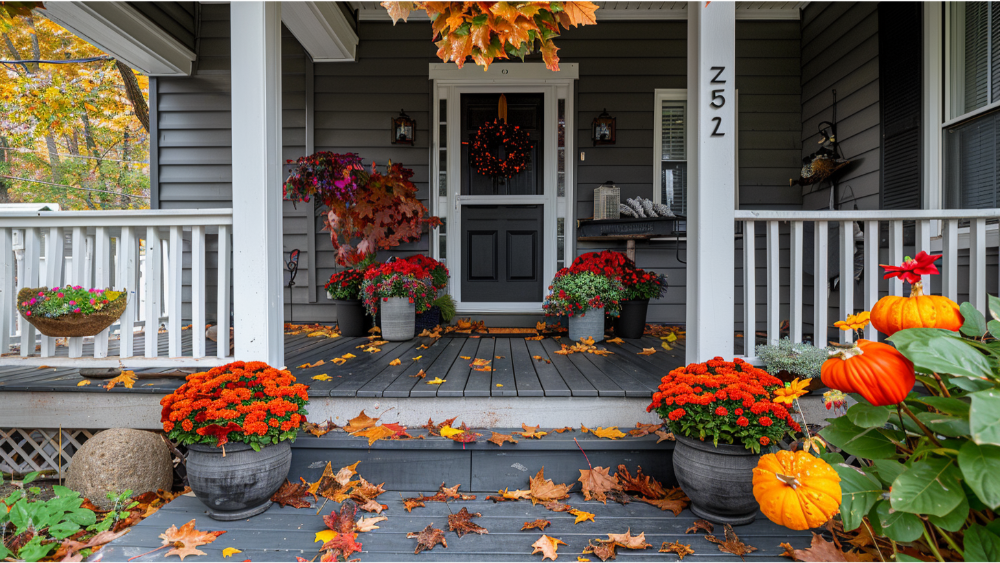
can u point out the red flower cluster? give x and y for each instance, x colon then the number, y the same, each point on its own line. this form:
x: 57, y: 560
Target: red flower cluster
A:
x: 345, y: 284
x: 437, y: 271
x: 401, y: 267
x: 710, y: 399
x: 638, y: 283
x: 243, y: 401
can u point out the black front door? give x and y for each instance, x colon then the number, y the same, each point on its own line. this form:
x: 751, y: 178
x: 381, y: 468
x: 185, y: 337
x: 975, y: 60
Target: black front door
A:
x: 502, y: 245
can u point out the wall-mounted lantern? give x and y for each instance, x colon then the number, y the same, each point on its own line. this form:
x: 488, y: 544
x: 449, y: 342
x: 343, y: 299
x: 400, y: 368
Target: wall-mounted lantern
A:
x: 403, y: 129
x: 603, y: 129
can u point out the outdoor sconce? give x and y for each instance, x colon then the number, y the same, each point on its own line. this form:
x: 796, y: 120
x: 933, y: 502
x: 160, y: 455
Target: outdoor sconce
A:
x: 403, y: 129
x: 603, y: 129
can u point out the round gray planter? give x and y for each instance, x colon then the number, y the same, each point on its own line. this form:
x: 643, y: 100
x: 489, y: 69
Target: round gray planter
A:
x: 399, y: 318
x: 587, y: 324
x: 717, y: 479
x: 239, y: 485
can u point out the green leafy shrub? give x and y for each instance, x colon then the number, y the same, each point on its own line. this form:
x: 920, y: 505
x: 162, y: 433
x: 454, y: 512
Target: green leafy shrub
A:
x: 929, y: 470
x: 47, y: 521
x: 798, y: 358
x: 447, y: 307
x: 576, y: 293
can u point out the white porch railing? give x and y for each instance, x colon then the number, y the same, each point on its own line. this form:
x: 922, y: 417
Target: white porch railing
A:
x: 959, y: 229
x: 140, y: 251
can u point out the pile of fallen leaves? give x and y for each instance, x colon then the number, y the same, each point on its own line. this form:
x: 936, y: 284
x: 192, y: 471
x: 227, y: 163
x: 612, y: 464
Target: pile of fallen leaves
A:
x: 338, y: 487
x: 312, y: 330
x: 585, y: 345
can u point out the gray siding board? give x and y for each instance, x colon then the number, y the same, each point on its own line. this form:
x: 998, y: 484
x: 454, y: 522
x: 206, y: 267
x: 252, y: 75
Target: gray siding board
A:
x: 176, y: 18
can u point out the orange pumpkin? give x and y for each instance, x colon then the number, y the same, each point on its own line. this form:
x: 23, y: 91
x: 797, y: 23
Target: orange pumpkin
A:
x: 893, y: 313
x: 878, y: 372
x: 796, y: 489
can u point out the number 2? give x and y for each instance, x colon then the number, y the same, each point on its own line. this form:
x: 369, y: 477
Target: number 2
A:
x: 715, y: 131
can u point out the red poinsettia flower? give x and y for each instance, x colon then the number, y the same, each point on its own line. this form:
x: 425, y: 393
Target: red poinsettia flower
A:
x: 913, y: 268
x: 221, y: 433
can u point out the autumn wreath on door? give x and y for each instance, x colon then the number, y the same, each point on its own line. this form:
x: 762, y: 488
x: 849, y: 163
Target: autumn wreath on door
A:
x: 500, y: 150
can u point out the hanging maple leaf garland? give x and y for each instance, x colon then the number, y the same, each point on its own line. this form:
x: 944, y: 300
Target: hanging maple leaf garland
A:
x: 495, y: 30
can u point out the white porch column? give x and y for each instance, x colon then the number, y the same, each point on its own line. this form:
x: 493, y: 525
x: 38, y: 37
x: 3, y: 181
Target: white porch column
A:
x: 711, y: 89
x: 257, y: 264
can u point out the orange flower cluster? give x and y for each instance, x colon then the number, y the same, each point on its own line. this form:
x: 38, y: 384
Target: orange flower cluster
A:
x: 243, y: 401
x: 730, y: 402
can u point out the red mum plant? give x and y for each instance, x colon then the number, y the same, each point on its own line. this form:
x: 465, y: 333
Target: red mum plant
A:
x: 638, y: 283
x: 913, y: 268
x: 438, y: 272
x: 728, y: 402
x: 399, y: 278
x: 249, y: 402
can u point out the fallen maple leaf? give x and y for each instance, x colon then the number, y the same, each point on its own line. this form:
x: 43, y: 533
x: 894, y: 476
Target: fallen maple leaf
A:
x: 341, y: 546
x: 290, y: 494
x: 333, y: 487
x: 563, y: 429
x: 436, y: 381
x: 428, y: 538
x: 676, y: 547
x: 789, y: 550
x: 557, y: 506
x: 582, y: 516
x: 642, y: 484
x: 578, y: 558
x: 342, y: 522
x: 701, y: 525
x: 69, y: 550
x: 537, y: 524
x: 611, y: 432
x: 675, y: 501
x: 395, y: 362
x: 548, y: 546
x: 531, y: 432
x: 375, y: 434
x: 538, y: 337
x: 230, y: 551
x: 339, y: 361
x: 83, y: 382
x: 603, y: 549
x: 184, y: 540
x: 466, y: 357
x: 732, y: 544
x: 126, y: 378
x: 410, y: 503
x: 319, y: 429
x: 597, y: 483
x: 324, y: 536
x: 628, y: 541
x: 316, y: 364
x: 544, y: 490
x: 499, y: 439
x: 368, y: 524
x: 647, y: 351
x: 641, y: 429
x: 435, y: 429
x: 359, y: 423
x: 819, y: 550
x: 461, y: 523
x: 448, y: 431
x: 615, y: 340
x: 421, y: 374
x: 665, y: 436
x: 322, y: 377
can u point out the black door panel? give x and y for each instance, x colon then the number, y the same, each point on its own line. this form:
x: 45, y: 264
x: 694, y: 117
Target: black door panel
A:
x: 502, y: 253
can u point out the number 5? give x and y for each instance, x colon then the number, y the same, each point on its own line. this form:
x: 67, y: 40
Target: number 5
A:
x: 717, y: 95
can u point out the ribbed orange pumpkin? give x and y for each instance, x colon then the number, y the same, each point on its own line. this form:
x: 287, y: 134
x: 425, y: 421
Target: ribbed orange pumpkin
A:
x: 878, y: 372
x: 893, y: 313
x: 796, y: 489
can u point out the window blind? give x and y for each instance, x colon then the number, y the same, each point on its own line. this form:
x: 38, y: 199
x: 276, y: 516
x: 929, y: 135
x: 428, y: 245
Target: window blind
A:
x: 673, y: 165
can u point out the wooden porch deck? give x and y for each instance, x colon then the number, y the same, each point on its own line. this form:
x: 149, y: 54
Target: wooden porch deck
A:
x: 521, y: 368
x: 282, y: 534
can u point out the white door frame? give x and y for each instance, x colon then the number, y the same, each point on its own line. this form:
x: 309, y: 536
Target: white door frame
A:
x: 503, y: 78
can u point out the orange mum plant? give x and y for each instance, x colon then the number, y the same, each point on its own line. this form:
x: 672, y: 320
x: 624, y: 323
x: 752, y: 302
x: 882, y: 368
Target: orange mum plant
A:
x: 249, y: 402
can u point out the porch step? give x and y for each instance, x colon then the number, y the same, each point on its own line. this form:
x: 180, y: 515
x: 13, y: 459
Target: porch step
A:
x: 482, y: 467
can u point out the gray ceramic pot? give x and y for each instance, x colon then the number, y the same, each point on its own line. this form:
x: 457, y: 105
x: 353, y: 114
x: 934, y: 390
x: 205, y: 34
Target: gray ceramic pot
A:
x: 717, y: 479
x: 399, y: 319
x: 589, y: 324
x: 240, y: 484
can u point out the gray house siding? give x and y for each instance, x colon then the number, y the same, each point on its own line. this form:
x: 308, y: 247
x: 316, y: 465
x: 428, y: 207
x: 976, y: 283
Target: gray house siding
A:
x: 352, y: 104
x: 179, y: 19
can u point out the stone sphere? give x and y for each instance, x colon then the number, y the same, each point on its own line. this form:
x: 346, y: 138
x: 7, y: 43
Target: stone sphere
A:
x: 117, y: 460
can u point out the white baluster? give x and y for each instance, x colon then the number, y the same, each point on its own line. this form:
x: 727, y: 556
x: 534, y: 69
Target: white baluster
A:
x: 222, y: 323
x: 923, y: 242
x: 30, y: 279
x: 102, y: 280
x: 895, y: 254
x: 174, y: 286
x: 198, y: 291
x: 7, y: 304
x: 795, y: 279
x: 749, y: 289
x: 871, y: 273
x: 820, y: 296
x: 949, y: 267
x: 88, y: 269
x: 54, y: 252
x: 76, y: 277
x: 125, y: 280
x: 977, y: 264
x: 152, y: 287
x: 846, y: 276
x: 773, y: 283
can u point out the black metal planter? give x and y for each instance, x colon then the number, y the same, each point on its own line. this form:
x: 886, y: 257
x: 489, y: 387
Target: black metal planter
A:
x: 240, y: 484
x: 632, y: 320
x: 351, y: 317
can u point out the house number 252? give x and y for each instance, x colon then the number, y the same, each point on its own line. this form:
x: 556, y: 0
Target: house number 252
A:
x: 718, y: 100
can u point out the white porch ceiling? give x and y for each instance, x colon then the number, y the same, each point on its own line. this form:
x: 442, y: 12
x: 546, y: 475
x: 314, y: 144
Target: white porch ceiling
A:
x: 373, y: 11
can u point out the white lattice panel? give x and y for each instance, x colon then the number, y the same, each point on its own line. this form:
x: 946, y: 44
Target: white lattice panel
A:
x: 23, y: 450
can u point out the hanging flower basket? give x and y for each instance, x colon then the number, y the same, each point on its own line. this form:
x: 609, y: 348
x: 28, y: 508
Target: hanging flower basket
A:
x: 70, y: 311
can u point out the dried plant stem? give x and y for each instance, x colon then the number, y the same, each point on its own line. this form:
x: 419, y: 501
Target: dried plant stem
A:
x: 950, y: 541
x: 868, y: 528
x: 932, y: 545
x: 944, y: 388
x: 926, y: 430
x: 584, y: 453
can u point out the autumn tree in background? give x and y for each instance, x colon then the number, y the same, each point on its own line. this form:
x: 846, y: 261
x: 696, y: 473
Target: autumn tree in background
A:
x: 70, y: 133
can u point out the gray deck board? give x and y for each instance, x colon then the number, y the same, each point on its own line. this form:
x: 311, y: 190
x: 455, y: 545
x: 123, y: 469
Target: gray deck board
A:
x: 369, y: 374
x: 281, y: 534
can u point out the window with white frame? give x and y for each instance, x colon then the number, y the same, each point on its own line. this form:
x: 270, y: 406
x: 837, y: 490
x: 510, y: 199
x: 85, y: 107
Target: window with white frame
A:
x: 670, y: 149
x: 972, y: 131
